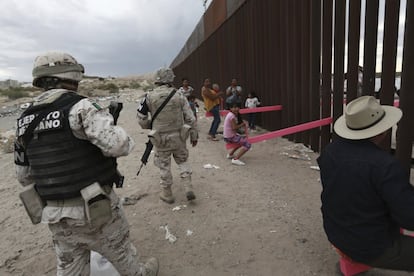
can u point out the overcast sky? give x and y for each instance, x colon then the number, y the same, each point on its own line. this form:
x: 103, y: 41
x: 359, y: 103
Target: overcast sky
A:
x: 110, y: 38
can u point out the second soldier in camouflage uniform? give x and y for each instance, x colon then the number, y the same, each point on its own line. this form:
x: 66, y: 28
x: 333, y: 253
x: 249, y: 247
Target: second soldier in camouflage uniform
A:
x: 169, y: 133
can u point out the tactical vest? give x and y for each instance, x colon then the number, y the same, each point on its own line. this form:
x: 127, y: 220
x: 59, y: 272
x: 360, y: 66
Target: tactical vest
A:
x: 171, y: 117
x: 61, y: 164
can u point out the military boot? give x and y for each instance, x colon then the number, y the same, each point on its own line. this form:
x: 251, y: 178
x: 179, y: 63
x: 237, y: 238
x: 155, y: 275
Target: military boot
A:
x: 189, y: 190
x: 166, y: 195
x: 150, y: 267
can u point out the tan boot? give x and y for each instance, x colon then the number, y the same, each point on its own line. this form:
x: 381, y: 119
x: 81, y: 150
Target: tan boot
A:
x: 166, y: 195
x: 150, y: 267
x: 189, y: 191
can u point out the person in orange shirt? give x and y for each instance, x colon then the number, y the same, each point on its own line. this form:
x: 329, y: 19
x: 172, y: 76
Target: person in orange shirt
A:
x: 212, y: 104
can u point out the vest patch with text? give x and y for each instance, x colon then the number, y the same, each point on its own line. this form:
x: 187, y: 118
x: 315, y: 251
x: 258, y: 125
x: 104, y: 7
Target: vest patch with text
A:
x: 53, y: 121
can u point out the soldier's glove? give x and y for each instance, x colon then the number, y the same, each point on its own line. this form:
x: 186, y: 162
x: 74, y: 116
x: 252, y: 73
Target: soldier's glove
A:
x: 193, y: 134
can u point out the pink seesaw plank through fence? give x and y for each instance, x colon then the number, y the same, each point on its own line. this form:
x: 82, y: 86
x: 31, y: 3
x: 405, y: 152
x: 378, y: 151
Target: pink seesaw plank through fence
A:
x: 250, y: 110
x: 290, y: 130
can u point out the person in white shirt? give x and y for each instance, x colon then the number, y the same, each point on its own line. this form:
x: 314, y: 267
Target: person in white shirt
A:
x: 252, y: 102
x: 188, y: 92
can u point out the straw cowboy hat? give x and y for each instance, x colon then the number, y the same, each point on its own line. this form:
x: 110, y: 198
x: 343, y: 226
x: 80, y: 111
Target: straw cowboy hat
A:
x: 364, y: 118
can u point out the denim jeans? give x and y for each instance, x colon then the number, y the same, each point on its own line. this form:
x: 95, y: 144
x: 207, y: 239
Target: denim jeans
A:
x: 216, y: 120
x: 252, y: 120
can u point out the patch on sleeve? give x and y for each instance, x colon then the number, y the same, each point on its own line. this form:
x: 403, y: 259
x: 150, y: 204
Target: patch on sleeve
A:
x: 97, y: 106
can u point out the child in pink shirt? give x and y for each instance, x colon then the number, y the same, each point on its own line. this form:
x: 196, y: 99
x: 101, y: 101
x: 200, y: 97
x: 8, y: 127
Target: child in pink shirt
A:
x: 230, y: 135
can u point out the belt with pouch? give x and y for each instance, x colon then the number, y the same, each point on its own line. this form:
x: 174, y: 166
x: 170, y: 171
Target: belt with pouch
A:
x: 75, y: 201
x: 70, y: 202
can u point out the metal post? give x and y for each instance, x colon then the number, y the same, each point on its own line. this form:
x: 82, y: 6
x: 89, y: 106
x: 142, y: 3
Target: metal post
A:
x: 315, y: 99
x: 339, y: 52
x: 326, y: 69
x: 370, y: 46
x: 353, y: 49
x: 405, y: 132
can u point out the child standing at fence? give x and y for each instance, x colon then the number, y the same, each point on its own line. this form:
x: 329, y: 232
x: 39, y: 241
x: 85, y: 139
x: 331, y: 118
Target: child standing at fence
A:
x: 252, y: 102
x: 231, y: 125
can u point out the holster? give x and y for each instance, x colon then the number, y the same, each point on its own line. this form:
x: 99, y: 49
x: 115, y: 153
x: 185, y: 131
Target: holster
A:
x: 32, y: 203
x: 97, y: 205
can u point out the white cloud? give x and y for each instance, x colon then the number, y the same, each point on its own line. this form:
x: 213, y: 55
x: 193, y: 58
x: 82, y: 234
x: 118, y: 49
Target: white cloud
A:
x: 109, y: 37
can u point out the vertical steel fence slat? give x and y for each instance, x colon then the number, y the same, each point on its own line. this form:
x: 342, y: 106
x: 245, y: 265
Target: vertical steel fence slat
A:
x: 326, y: 70
x: 274, y: 69
x: 405, y: 131
x: 296, y: 67
x: 389, y: 53
x: 353, y: 49
x: 283, y: 61
x: 315, y: 70
x: 339, y: 52
x: 370, y: 46
x: 389, y: 57
x: 290, y: 65
x: 305, y: 67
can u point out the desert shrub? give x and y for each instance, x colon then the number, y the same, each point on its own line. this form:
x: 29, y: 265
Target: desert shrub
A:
x: 16, y: 92
x: 111, y: 87
x: 135, y: 85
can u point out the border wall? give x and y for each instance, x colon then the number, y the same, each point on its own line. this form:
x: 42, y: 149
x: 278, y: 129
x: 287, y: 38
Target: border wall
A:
x: 294, y: 53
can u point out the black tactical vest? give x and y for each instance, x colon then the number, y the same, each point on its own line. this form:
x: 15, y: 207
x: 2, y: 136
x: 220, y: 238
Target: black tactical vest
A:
x: 61, y: 164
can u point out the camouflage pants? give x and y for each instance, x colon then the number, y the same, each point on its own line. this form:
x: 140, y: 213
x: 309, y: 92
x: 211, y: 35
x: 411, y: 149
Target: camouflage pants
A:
x: 73, y: 241
x: 178, y: 150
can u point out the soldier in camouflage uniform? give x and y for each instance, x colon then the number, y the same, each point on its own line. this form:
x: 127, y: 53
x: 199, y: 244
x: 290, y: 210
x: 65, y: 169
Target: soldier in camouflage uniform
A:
x: 73, y: 146
x: 169, y: 133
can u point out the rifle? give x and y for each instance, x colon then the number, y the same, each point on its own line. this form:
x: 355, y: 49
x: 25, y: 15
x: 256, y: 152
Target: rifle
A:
x: 145, y: 156
x: 115, y: 109
x: 148, y: 144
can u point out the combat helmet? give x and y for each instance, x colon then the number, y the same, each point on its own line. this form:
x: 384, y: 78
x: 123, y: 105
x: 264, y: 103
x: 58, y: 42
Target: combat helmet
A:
x: 164, y: 76
x: 57, y: 66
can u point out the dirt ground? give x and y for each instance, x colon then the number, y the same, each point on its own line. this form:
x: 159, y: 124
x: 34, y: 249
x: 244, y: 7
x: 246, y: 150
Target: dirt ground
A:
x: 260, y: 219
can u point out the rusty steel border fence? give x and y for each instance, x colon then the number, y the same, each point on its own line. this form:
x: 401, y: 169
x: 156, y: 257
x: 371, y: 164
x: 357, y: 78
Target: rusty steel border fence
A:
x: 294, y: 52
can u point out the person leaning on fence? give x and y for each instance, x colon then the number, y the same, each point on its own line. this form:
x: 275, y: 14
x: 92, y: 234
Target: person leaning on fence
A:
x: 241, y: 144
x: 65, y: 154
x: 169, y: 132
x: 233, y: 94
x: 367, y: 196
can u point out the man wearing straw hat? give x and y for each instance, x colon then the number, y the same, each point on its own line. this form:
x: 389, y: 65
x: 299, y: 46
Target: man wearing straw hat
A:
x: 367, y: 197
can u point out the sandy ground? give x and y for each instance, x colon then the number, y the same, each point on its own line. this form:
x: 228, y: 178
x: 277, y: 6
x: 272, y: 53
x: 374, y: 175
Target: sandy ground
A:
x: 261, y: 219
